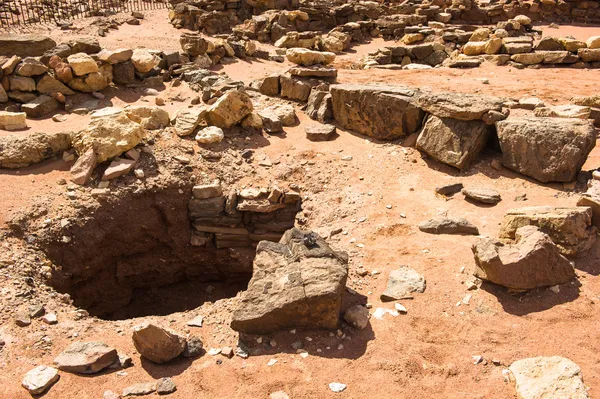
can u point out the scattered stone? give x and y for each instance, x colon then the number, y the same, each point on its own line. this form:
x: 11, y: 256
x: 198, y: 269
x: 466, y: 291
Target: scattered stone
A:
x: 118, y: 167
x: 320, y: 132
x: 449, y: 189
x: 484, y: 195
x: 140, y: 389
x: 157, y: 344
x: 306, y: 57
x: 81, y: 171
x: 337, y: 387
x: 82, y: 64
x: 50, y: 318
x: 13, y: 120
x: 23, y: 320
x: 402, y: 283
x: 41, y: 106
x: 357, y: 316
x: 444, y: 225
x: 548, y: 377
x: 143, y: 60
x: 210, y: 135
x: 165, y: 386
x: 193, y: 348
x: 227, y: 351
x: 186, y: 121
x: 532, y: 261
x: 40, y: 379
x: 197, y: 321
x: 86, y: 357
x: 230, y: 109
x: 18, y: 151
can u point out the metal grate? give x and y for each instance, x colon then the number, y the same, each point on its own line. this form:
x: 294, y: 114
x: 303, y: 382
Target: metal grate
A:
x: 29, y: 12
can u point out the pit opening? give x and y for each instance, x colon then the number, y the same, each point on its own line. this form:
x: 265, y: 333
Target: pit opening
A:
x: 160, y: 251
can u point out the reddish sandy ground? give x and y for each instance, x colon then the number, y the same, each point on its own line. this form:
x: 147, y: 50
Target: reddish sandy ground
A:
x: 424, y: 354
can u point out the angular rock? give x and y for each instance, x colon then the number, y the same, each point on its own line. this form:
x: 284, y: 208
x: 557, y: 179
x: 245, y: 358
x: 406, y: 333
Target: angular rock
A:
x: 270, y: 121
x: 229, y: 109
x: 187, y: 120
x: 449, y: 189
x: 547, y: 149
x: 296, y: 88
x: 24, y: 150
x: 157, y: 344
x: 8, y: 67
x: 51, y: 86
x: 40, y: 379
x: 320, y: 132
x: 484, y: 195
x: 284, y: 112
x: 453, y: 142
x: 21, y: 83
x: 319, y: 106
x: 25, y: 45
x: 193, y: 44
x: 149, y: 117
x: 465, y: 107
x: 30, y: 67
x: 82, y: 64
x: 110, y: 136
x: 316, y: 71
x: 88, y: 45
x: 402, y: 284
x: 207, y: 191
x: 269, y: 85
x: 443, y: 225
x: 13, y: 120
x: 86, y: 357
x: 570, y: 228
x: 41, y: 106
x: 165, y: 386
x: 382, y: 112
x: 589, y: 55
x: 302, y: 56
x: 144, y: 61
x: 357, y: 316
x: 115, y: 56
x: 140, y: 389
x: 193, y: 347
x: 124, y: 73
x: 81, y: 171
x: 548, y: 377
x: 210, y: 135
x: 296, y: 283
x: 118, y: 167
x: 532, y: 261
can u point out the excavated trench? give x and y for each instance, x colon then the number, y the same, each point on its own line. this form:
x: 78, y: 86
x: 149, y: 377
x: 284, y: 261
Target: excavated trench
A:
x: 148, y: 252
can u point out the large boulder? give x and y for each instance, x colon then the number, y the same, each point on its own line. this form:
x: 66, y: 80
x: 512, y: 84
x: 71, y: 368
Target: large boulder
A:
x: 532, y: 261
x: 229, y: 109
x: 453, y: 142
x: 547, y: 149
x: 25, y: 45
x: 109, y: 135
x: 86, y: 357
x: 379, y: 111
x: 570, y: 228
x: 157, y: 344
x: 466, y: 107
x: 19, y: 151
x: 302, y: 56
x: 296, y: 283
x: 548, y: 377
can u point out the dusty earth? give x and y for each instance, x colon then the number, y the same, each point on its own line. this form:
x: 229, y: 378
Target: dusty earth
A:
x: 377, y: 199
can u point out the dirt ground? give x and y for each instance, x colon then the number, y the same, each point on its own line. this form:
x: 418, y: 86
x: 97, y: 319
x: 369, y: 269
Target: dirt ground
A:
x: 426, y: 353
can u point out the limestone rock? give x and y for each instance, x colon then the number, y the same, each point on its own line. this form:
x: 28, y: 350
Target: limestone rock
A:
x: 22, y: 83
x: 49, y: 85
x: 187, y: 120
x: 443, y: 225
x: 20, y: 151
x: 157, y: 344
x: 357, y: 316
x: 284, y: 112
x: 86, y: 357
x: 82, y: 64
x: 144, y: 61
x: 30, y: 67
x: 207, y: 191
x: 319, y: 106
x: 115, y: 56
x: 40, y: 379
x: 320, y: 132
x: 532, y: 261
x: 25, y: 45
x: 403, y: 283
x: 193, y: 44
x: 465, y: 107
x: 379, y: 111
x: 593, y: 42
x: 149, y: 117
x: 82, y: 169
x: 118, y: 167
x: 485, y: 195
x: 110, y: 136
x: 229, y: 109
x: 302, y: 56
x: 140, y: 389
x: 548, y: 378
x: 165, y: 386
x: 547, y: 149
x: 13, y: 120
x: 297, y: 282
x: 453, y: 142
x: 210, y: 135
x: 570, y: 228
x: 41, y: 106
x: 269, y: 85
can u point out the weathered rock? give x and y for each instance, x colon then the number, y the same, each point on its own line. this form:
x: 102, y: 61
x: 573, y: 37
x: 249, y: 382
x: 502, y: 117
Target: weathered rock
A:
x: 8, y: 66
x: 296, y: 88
x: 547, y: 149
x: 25, y: 45
x: 465, y: 107
x: 382, y: 112
x: 41, y: 106
x: 284, y: 112
x: 3, y: 95
x: 484, y: 195
x: 88, y: 45
x: 193, y: 347
x: 62, y: 70
x: 549, y: 44
x: 193, y: 44
x: 40, y: 379
x: 82, y: 169
x: 357, y: 316
x: 270, y: 121
x: 51, y: 86
x: 82, y: 64
x: 319, y: 106
x: 297, y: 282
x: 229, y: 109
x: 30, y: 67
x: 453, y: 142
x: 593, y: 42
x: 149, y: 117
x: 269, y: 85
x: 570, y: 228
x: 124, y: 73
x: 443, y: 225
x: 165, y: 386
x: 320, y: 132
x: 210, y: 135
x: 207, y: 190
x: 403, y: 283
x: 110, y: 136
x: 187, y: 120
x: 316, y: 71
x: 157, y: 344
x: 118, y: 167
x: 24, y: 150
x: 589, y: 55
x: 532, y: 261
x: 302, y: 56
x: 449, y: 189
x: 144, y: 61
x: 115, y: 56
x: 86, y: 357
x: 563, y: 111
x: 13, y: 120
x: 140, y: 389
x: 548, y: 377
x: 21, y: 83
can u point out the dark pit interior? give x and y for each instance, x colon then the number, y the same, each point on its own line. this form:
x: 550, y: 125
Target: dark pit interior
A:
x: 132, y: 257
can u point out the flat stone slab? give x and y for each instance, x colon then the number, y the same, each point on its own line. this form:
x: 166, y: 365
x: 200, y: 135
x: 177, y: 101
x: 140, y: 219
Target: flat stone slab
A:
x: 320, y: 132
x: 25, y: 45
x: 316, y: 71
x: 402, y: 284
x: 40, y: 379
x: 443, y: 225
x: 86, y: 357
x: 484, y: 195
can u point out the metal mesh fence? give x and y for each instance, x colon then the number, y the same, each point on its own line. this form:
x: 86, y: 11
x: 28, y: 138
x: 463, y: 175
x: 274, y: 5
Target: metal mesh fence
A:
x: 29, y: 12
